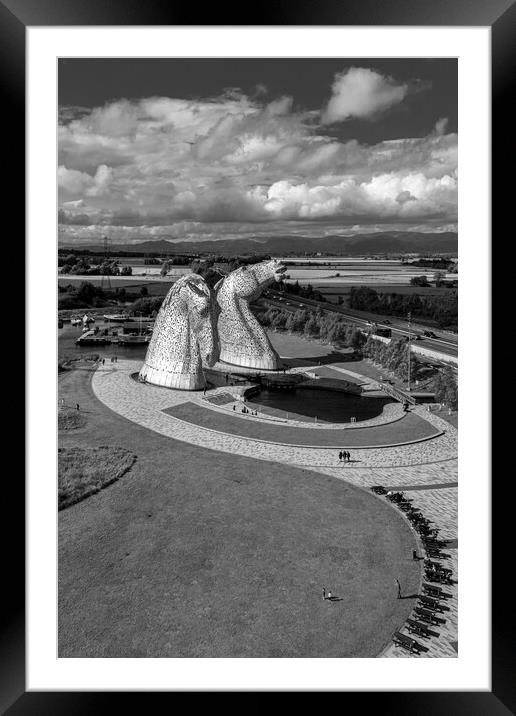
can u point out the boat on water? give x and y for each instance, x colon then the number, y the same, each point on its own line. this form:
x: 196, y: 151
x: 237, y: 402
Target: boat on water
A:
x: 89, y: 337
x: 132, y: 340
x: 116, y: 317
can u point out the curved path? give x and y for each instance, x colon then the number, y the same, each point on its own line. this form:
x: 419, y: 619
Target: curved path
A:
x: 144, y: 404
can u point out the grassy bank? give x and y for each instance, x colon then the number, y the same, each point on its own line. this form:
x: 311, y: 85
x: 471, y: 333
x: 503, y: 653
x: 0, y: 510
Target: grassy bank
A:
x: 84, y: 471
x: 70, y: 419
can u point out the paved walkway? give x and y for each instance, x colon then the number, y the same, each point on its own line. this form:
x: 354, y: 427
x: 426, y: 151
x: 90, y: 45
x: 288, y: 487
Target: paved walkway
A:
x: 422, y: 470
x: 144, y: 404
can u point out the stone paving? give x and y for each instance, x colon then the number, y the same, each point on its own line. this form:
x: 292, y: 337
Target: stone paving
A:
x: 427, y: 466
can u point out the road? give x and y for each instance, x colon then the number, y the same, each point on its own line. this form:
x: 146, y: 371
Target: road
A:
x: 445, y: 342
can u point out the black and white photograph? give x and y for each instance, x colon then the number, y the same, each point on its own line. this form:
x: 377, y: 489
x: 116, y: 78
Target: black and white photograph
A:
x: 257, y: 451
x: 257, y: 285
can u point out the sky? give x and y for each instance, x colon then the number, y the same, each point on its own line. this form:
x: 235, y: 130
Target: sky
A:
x: 200, y: 149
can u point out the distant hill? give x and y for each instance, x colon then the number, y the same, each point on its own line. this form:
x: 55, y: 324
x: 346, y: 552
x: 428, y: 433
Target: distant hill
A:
x: 389, y: 242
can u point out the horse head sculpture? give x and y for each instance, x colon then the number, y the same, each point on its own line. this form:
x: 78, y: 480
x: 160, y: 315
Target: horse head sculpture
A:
x: 183, y: 337
x: 242, y: 341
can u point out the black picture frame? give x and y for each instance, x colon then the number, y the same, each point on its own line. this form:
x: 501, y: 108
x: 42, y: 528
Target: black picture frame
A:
x: 15, y: 17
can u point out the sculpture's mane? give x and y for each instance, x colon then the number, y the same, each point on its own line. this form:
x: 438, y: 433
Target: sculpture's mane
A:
x: 192, y: 281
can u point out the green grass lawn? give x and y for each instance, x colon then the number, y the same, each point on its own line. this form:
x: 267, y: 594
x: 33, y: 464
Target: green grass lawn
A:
x: 70, y: 419
x: 196, y: 553
x: 83, y: 471
x: 409, y: 427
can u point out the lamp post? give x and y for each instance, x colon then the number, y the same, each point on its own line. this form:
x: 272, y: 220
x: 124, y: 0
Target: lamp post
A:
x: 408, y: 345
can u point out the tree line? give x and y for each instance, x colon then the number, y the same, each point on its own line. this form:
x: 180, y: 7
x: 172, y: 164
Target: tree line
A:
x: 436, y: 262
x: 303, y: 291
x: 329, y: 328
x: 87, y: 295
x: 81, y: 267
x: 442, y: 309
x: 394, y: 356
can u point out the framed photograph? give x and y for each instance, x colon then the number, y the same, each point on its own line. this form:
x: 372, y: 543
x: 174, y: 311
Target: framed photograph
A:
x: 257, y: 432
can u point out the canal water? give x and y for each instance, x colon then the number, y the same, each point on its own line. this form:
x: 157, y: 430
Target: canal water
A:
x: 305, y: 404
x: 67, y: 348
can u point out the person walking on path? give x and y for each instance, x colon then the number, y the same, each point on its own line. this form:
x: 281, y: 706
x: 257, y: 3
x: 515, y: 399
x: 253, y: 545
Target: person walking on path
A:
x: 77, y: 406
x: 348, y: 456
x: 340, y: 456
x: 329, y: 596
x: 399, y: 589
x: 324, y: 592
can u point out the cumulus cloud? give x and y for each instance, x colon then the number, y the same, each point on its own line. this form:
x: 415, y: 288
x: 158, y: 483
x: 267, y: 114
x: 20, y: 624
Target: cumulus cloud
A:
x: 361, y: 92
x: 384, y: 196
x: 161, y: 162
x: 72, y: 182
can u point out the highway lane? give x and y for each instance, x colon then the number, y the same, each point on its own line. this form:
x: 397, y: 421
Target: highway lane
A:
x: 445, y: 345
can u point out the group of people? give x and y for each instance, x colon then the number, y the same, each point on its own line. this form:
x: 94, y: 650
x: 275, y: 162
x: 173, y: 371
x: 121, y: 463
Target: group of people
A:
x: 247, y: 411
x: 344, y: 455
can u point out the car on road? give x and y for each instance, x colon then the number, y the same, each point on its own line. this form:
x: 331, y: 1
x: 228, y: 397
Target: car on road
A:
x: 387, y: 322
x: 418, y: 337
x: 429, y: 334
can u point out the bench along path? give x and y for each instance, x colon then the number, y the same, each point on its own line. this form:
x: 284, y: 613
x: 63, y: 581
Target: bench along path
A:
x: 426, y: 471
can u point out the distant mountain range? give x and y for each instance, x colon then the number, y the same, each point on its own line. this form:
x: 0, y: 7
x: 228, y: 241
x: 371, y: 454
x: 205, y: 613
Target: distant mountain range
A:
x: 389, y: 242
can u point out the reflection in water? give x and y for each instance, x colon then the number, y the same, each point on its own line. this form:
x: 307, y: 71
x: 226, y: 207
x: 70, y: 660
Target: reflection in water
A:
x: 328, y: 405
